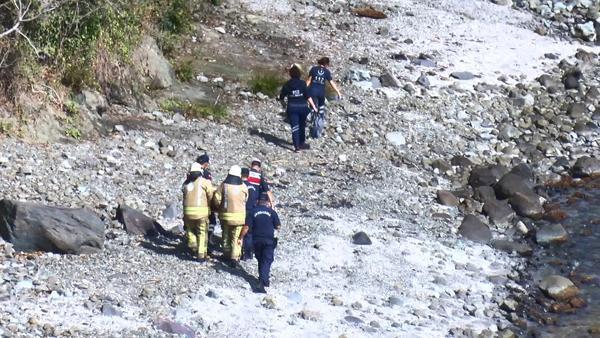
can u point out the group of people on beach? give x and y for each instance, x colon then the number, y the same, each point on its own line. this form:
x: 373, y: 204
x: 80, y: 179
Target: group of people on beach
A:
x: 244, y: 202
x: 306, y: 97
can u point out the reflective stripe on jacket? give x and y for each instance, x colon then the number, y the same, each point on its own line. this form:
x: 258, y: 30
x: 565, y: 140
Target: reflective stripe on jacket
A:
x: 196, y: 196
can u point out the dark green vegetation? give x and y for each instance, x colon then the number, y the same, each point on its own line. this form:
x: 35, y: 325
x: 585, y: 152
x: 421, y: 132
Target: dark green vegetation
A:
x: 76, y: 42
x: 267, y: 82
x: 195, y: 109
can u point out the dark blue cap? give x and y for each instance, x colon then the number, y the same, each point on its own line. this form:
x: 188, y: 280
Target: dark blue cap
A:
x: 203, y: 159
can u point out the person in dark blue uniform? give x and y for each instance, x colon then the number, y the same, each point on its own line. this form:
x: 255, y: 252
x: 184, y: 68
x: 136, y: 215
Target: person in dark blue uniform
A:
x: 296, y: 92
x: 318, y: 77
x: 262, y: 222
x: 253, y: 194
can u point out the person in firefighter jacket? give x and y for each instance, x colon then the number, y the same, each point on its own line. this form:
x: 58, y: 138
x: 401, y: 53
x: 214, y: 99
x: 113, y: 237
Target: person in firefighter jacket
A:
x: 231, y: 197
x: 197, y: 193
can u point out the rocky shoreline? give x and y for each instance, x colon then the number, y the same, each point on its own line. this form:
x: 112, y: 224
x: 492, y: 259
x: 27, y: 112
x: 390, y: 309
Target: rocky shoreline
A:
x: 418, y: 128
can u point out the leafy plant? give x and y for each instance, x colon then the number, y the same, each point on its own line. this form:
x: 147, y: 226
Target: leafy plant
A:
x: 73, y: 132
x: 178, y: 17
x: 5, y: 127
x: 71, y: 108
x: 195, y: 109
x: 185, y: 71
x: 267, y: 83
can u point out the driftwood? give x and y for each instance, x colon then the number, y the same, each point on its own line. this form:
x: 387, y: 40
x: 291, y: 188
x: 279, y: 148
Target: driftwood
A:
x: 369, y: 12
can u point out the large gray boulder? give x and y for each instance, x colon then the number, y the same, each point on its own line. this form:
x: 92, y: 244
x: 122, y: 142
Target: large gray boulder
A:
x: 510, y: 184
x: 486, y: 175
x: 472, y: 228
x: 33, y: 227
x: 151, y: 63
x: 586, y: 166
x: 498, y: 212
x: 551, y: 234
x: 527, y: 205
x: 558, y: 287
x: 137, y: 223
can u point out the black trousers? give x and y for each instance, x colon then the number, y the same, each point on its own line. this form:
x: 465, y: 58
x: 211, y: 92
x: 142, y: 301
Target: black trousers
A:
x: 297, y: 117
x: 264, y: 250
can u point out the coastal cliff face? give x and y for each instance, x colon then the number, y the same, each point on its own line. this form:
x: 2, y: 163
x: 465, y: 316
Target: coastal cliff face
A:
x: 455, y: 115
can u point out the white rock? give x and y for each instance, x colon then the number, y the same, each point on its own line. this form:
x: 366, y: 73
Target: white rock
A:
x: 202, y: 78
x: 396, y: 138
x: 343, y: 158
x: 220, y: 30
x: 585, y: 31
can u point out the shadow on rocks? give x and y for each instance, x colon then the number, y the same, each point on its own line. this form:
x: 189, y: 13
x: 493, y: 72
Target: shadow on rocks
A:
x: 167, y: 246
x: 221, y: 265
x: 271, y: 139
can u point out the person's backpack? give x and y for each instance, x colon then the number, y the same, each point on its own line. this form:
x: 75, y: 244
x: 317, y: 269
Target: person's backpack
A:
x: 317, y: 123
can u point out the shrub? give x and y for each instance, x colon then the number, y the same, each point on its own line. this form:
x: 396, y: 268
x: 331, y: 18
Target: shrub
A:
x: 178, y: 17
x: 73, y: 132
x: 71, y: 108
x: 267, y: 83
x: 185, y: 71
x: 5, y: 127
x: 195, y: 109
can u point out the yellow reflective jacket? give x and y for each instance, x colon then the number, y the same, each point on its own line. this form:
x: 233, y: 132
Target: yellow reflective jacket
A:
x: 196, y: 197
x: 231, y: 200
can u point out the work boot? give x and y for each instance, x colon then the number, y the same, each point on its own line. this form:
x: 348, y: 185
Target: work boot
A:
x: 305, y: 146
x: 260, y: 288
x: 234, y: 264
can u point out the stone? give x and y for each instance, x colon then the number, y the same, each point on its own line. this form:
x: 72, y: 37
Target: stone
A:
x: 268, y: 302
x: 170, y: 211
x: 361, y: 238
x: 576, y: 110
x: 447, y: 198
x: 503, y: 2
x: 472, y: 228
x: 586, y: 31
x: 508, y: 132
x: 510, y: 247
x: 484, y: 194
x: 585, y: 167
x: 498, y: 212
x: 486, y: 175
x: 511, y: 184
x: 212, y: 294
x: 357, y: 75
x: 93, y: 101
x: 137, y: 223
x: 527, y: 205
x: 523, y: 170
x: 509, y: 305
x: 551, y: 234
x: 423, y: 81
x: 109, y: 310
x: 395, y: 301
x: 310, y: 315
x: 441, y: 165
x: 461, y: 161
x: 462, y: 75
x: 396, y: 138
x: 388, y: 79
x: 150, y: 63
x: 173, y: 327
x: 558, y: 287
x: 353, y: 320
x: 34, y: 227
x: 571, y: 79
